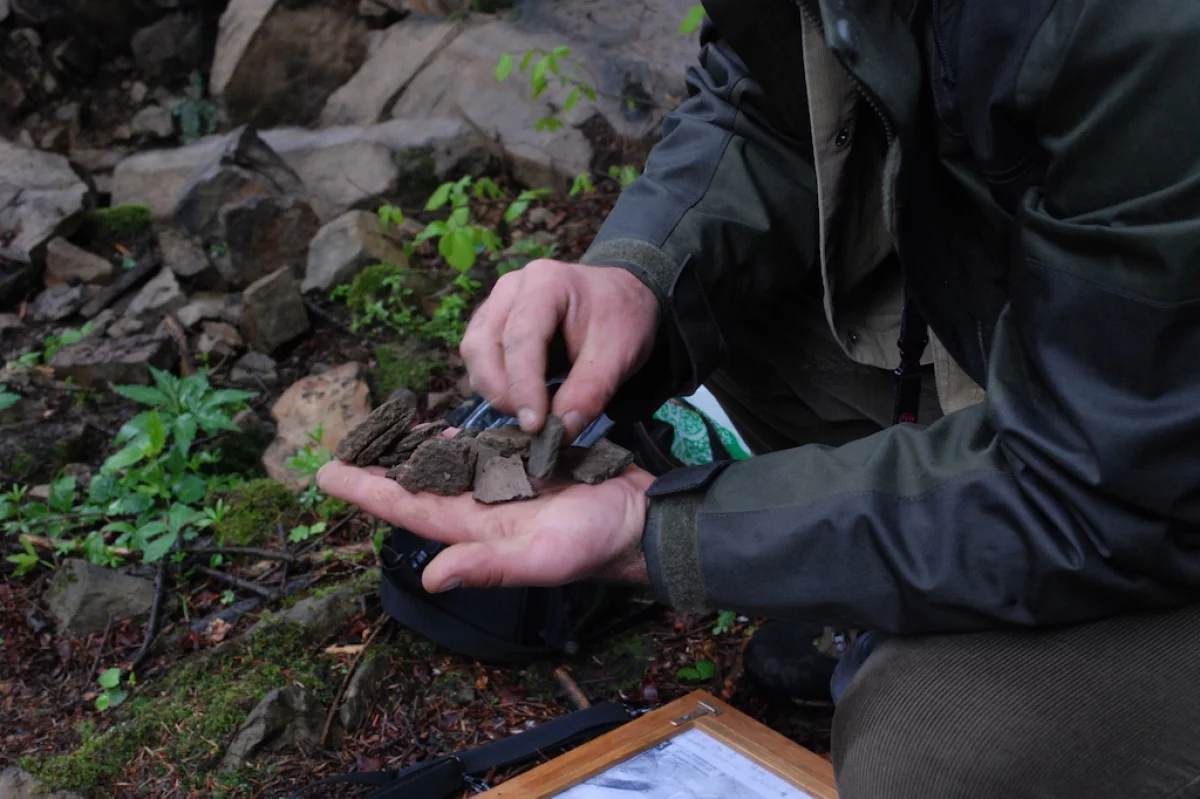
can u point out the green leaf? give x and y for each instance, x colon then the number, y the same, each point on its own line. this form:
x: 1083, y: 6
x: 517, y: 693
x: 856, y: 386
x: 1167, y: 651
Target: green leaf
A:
x: 184, y: 430
x: 155, y: 548
x: 119, y: 527
x: 390, y: 215
x: 691, y: 22
x: 62, y: 494
x: 123, y: 458
x: 156, y: 434
x: 706, y: 669
x: 134, y: 427
x: 582, y: 185
x: 228, y: 396
x: 192, y: 488
x: 529, y: 54
x: 547, y: 125
x: 504, y: 66
x: 440, y: 197
x: 490, y: 239
x: 572, y: 99
x: 103, y: 488
x: 110, y: 678
x: 515, y: 211
x: 146, y: 395
x: 181, y: 516
x: 8, y: 399
x: 458, y: 248
x: 538, y: 78
x: 460, y: 218
x: 688, y: 674
x: 562, y: 51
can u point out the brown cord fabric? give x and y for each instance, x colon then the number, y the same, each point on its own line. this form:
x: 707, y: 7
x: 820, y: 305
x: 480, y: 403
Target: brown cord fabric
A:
x: 1107, y: 709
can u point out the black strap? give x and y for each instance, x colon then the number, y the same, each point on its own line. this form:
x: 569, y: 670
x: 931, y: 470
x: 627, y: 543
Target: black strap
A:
x: 914, y: 338
x: 437, y: 779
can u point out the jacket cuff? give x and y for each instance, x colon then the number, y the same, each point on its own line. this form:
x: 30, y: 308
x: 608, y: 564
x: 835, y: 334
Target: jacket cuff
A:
x: 671, y: 541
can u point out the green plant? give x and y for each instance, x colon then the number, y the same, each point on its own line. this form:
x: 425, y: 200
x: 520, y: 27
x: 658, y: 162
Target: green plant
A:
x: 120, y: 222
x: 624, y: 174
x: 691, y: 22
x: 700, y: 671
x: 113, y: 694
x: 52, y: 344
x: 197, y: 116
x: 307, y: 461
x: 302, y: 532
x: 547, y: 64
x: 725, y: 621
x: 582, y: 184
x: 27, y: 560
x: 256, y: 509
x: 7, y: 398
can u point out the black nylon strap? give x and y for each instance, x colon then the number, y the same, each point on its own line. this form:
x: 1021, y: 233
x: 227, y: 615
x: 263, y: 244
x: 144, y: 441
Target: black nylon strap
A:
x: 440, y: 778
x: 914, y: 338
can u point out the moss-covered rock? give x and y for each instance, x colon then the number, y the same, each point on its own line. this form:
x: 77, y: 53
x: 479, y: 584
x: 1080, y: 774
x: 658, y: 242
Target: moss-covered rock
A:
x: 256, y: 508
x: 119, y: 223
x: 408, y: 364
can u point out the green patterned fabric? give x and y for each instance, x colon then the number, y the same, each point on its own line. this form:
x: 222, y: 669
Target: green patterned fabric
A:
x: 691, y: 445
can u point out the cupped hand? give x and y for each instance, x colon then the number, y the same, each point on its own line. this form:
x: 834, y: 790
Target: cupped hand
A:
x: 568, y: 533
x: 608, y: 320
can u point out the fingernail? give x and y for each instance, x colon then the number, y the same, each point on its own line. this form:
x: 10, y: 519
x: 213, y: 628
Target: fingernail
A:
x: 574, y: 422
x: 528, y: 419
x: 450, y: 585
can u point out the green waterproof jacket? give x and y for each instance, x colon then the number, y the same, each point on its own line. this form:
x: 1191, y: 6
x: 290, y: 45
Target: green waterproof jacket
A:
x: 1035, y: 167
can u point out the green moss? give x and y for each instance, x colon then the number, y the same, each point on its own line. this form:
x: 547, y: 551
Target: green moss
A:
x: 375, y: 283
x: 332, y: 507
x: 120, y: 222
x: 191, y: 719
x: 409, y: 364
x: 256, y: 508
x: 418, y: 173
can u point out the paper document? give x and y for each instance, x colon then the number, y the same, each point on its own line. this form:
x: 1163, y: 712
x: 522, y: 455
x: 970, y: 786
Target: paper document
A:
x: 692, y: 765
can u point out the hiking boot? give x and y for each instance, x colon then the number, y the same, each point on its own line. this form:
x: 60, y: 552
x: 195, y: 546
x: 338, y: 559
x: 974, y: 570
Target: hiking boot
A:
x: 796, y: 659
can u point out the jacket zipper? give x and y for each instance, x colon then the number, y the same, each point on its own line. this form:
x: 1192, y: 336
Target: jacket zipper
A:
x: 813, y: 17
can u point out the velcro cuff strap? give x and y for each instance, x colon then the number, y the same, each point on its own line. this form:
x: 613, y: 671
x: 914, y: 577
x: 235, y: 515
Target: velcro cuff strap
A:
x: 691, y: 478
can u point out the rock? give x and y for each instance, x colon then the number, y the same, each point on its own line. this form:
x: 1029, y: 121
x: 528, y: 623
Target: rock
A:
x: 502, y: 480
x: 40, y: 197
x: 159, y: 297
x: 97, y: 363
x: 96, y: 161
x: 67, y: 263
x: 273, y: 312
x: 404, y: 448
x: 344, y: 247
x: 374, y: 437
x: 16, y: 783
x: 57, y: 303
x: 56, y: 139
x: 15, y: 282
x: 125, y: 282
x: 84, y: 597
x: 254, y: 368
x: 265, y: 234
x: 171, y: 46
x: 3, y: 10
x: 362, y: 691
x: 280, y: 61
x: 543, y: 452
x: 101, y: 322
x: 323, y: 616
x: 138, y: 92
x: 342, y: 167
x: 12, y: 96
x: 603, y: 461
x: 10, y: 321
x: 508, y: 441
x: 339, y: 400
x: 154, y: 122
x: 221, y: 338
x: 210, y: 306
x: 405, y: 49
x: 33, y: 450
x: 187, y: 259
x: 124, y: 327
x: 243, y: 166
x: 285, y: 717
x: 443, y: 466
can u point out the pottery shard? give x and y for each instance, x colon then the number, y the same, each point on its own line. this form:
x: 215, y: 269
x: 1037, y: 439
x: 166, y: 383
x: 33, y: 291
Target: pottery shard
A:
x: 444, y: 466
x: 403, y: 450
x: 543, y: 452
x: 503, y: 480
x: 372, y: 439
x: 603, y: 461
x: 508, y: 441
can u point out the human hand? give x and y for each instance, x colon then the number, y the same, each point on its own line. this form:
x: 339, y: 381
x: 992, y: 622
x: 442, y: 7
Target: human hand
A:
x: 567, y: 533
x: 608, y: 319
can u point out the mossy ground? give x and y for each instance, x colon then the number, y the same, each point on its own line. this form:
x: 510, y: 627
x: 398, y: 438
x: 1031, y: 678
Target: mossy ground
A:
x: 256, y: 509
x: 120, y: 223
x: 410, y: 364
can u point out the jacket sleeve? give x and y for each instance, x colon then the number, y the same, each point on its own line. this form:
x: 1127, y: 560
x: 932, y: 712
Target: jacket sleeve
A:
x: 1073, y: 491
x: 715, y: 209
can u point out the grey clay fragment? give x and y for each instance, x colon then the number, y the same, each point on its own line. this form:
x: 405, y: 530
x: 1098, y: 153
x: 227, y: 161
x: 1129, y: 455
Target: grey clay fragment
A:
x: 543, y: 452
x: 368, y: 442
x: 403, y: 450
x: 443, y: 466
x: 603, y: 461
x: 503, y: 480
x: 508, y: 441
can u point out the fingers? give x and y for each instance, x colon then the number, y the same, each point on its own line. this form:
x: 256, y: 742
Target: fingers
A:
x: 532, y: 324
x: 448, y: 520
x: 482, y: 347
x: 502, y: 563
x: 590, y: 385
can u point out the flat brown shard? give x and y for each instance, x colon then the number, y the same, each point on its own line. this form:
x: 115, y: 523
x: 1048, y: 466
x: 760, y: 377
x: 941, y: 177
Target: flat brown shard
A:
x: 503, y: 480
x: 403, y: 450
x: 543, y: 452
x: 443, y: 466
x: 604, y: 461
x: 508, y: 441
x: 368, y: 442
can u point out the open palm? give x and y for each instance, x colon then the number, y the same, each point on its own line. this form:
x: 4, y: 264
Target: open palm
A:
x: 568, y: 533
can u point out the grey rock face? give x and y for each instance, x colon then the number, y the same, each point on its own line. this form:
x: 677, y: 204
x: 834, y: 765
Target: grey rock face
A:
x: 84, y: 597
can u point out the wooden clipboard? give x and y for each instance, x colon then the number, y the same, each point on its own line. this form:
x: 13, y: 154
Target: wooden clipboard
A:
x: 781, y: 757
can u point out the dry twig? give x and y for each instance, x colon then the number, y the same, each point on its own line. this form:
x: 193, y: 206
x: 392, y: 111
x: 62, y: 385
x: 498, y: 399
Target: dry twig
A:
x: 379, y: 625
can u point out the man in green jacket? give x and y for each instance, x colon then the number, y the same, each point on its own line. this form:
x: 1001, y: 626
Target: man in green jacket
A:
x: 1029, y: 172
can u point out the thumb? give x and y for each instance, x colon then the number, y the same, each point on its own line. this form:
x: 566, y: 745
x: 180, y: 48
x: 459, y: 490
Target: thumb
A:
x: 590, y: 385
x: 476, y: 564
